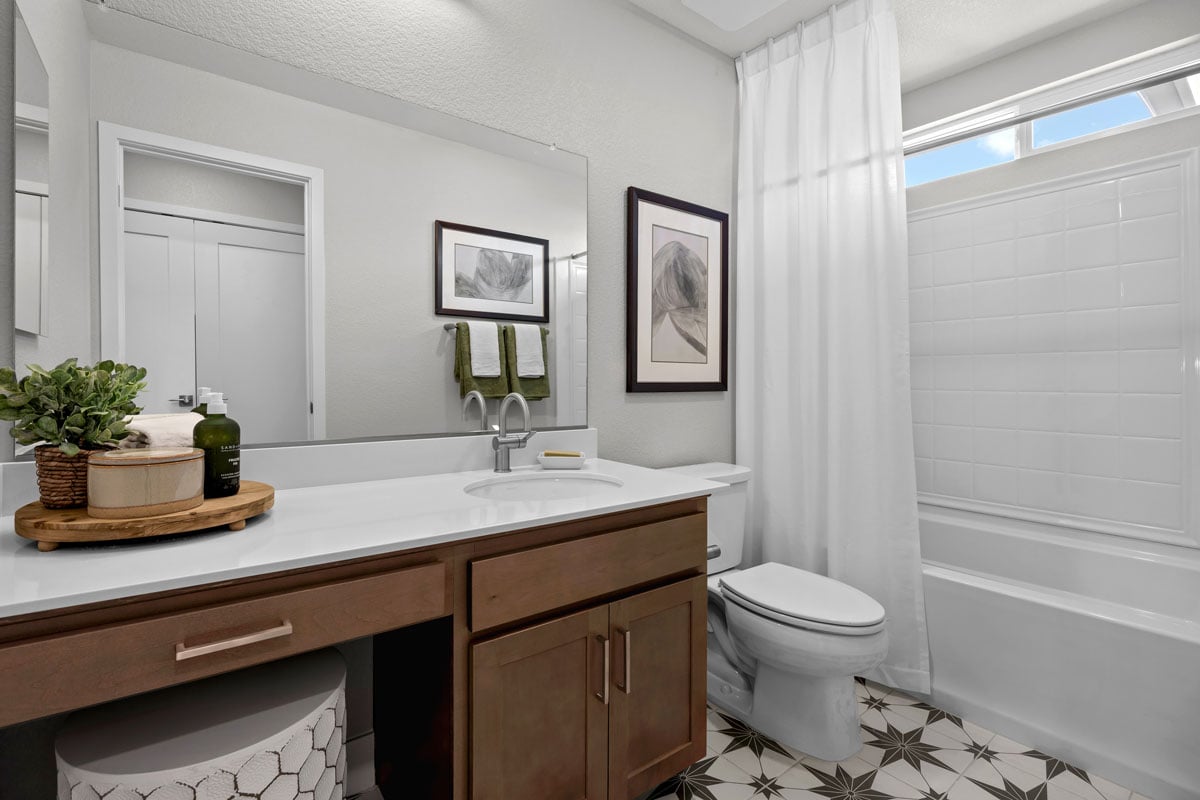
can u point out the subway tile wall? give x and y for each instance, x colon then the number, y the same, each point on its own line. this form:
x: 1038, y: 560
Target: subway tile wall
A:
x: 1048, y: 350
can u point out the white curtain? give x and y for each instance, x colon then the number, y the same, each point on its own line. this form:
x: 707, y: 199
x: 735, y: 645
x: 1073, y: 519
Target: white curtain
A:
x: 823, y: 411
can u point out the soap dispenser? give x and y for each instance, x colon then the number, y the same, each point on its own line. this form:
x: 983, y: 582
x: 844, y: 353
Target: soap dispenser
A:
x: 221, y: 440
x: 203, y: 395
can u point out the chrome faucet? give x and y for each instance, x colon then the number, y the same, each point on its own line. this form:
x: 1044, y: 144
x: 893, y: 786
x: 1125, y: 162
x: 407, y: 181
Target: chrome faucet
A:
x: 505, y: 442
x: 473, y: 396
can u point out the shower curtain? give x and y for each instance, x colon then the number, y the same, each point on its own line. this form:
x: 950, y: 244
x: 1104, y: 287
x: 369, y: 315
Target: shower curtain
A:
x: 823, y: 410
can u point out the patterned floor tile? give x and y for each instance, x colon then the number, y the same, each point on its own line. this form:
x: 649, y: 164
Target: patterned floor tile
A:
x: 921, y: 757
x: 712, y: 778
x: 1057, y: 774
x: 912, y: 751
x: 755, y: 754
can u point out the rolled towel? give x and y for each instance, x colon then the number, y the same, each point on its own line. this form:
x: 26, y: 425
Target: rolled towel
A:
x: 530, y: 363
x: 160, y: 430
x: 485, y: 349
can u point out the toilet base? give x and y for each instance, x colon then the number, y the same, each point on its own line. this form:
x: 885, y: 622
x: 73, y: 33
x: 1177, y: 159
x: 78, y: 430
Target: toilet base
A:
x: 817, y: 716
x: 730, y: 697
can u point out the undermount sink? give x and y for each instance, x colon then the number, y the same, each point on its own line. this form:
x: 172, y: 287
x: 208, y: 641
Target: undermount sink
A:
x: 543, y: 486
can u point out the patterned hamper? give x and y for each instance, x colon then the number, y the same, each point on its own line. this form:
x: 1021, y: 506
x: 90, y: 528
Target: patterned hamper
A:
x: 272, y: 732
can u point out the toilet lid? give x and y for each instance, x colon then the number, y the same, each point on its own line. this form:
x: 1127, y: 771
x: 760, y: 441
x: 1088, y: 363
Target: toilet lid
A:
x: 803, y: 596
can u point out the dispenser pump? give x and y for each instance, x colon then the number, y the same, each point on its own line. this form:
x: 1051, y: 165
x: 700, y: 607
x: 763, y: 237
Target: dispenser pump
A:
x: 206, y: 394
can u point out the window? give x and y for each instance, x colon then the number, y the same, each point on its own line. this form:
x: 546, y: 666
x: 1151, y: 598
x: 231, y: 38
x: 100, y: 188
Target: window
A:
x: 987, y: 150
x: 1092, y: 118
x: 1038, y: 125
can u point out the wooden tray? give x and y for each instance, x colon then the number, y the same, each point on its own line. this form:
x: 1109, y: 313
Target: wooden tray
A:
x: 50, y: 528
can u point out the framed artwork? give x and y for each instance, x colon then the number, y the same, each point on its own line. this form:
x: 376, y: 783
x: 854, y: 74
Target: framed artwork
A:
x: 490, y: 274
x: 677, y: 294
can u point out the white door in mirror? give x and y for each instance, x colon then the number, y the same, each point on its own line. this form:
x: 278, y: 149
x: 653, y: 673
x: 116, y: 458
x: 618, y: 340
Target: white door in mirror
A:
x: 195, y: 290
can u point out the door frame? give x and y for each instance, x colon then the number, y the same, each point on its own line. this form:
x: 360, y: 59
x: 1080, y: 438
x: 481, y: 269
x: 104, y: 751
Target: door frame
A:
x: 114, y: 142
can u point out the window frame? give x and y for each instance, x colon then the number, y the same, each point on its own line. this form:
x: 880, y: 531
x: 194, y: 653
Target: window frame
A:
x: 1021, y: 111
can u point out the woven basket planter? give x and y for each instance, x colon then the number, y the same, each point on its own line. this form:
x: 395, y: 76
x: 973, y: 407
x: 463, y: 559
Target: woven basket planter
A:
x: 62, y: 479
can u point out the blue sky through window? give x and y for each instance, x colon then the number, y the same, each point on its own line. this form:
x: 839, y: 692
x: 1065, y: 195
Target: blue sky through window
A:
x: 965, y: 156
x: 1000, y: 146
x: 1111, y: 113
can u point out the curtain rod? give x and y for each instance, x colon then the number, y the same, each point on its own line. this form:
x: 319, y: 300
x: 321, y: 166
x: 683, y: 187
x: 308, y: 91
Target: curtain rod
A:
x: 1138, y: 84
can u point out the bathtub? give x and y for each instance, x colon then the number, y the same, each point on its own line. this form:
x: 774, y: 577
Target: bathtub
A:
x: 1082, y: 645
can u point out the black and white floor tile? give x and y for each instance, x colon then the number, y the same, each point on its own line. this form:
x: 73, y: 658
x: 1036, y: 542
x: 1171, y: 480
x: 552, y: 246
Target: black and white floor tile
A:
x: 911, y: 751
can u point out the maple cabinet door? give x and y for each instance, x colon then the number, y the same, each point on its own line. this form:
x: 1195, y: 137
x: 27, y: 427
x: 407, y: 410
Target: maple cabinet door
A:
x: 656, y: 719
x: 539, y: 719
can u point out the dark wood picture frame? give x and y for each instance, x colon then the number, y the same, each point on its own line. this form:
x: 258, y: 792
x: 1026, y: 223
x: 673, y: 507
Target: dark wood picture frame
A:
x: 635, y: 381
x: 441, y: 282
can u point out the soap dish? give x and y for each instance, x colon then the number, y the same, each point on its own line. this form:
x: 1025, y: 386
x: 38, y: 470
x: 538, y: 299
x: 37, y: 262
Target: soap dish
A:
x: 561, y: 462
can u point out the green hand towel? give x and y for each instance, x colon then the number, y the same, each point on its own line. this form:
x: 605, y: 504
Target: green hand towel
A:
x: 488, y: 387
x: 531, y: 388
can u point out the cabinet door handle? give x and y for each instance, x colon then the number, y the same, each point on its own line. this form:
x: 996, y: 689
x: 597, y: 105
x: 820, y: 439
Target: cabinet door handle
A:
x: 603, y: 694
x: 182, y: 652
x: 627, y: 636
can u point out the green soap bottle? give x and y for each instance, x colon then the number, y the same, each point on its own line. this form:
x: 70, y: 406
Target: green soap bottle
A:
x: 202, y: 395
x: 221, y: 440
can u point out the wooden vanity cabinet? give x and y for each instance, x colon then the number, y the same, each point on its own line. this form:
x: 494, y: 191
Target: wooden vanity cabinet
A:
x: 605, y: 702
x: 570, y: 656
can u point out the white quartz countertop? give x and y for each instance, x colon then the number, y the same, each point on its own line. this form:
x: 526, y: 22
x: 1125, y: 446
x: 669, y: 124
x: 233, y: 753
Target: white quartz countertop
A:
x: 307, y: 527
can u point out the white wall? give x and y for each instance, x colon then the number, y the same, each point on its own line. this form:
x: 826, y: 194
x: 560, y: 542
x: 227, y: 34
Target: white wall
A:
x: 647, y: 106
x: 32, y: 84
x: 1141, y: 28
x: 388, y: 359
x: 31, y: 156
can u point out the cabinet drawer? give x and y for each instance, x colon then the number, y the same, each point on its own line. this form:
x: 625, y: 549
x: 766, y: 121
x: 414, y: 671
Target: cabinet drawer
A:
x: 515, y: 586
x: 64, y: 672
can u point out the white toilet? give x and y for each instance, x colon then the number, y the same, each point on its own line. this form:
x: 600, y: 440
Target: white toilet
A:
x: 783, y: 643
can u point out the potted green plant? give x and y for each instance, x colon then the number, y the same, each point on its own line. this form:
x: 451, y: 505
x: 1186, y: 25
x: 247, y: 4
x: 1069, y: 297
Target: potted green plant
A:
x: 71, y: 410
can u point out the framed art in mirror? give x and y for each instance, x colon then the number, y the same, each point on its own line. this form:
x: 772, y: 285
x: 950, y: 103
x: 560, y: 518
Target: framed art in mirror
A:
x: 677, y: 291
x: 491, y: 274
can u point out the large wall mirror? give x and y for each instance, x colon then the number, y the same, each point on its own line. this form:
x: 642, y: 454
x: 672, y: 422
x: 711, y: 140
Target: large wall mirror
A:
x: 271, y: 233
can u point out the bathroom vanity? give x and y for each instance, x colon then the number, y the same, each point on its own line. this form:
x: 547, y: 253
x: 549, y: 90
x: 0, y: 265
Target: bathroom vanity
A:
x: 557, y: 647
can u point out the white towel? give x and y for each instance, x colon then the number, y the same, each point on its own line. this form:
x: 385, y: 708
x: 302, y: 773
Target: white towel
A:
x: 159, y: 430
x: 485, y: 349
x: 530, y: 363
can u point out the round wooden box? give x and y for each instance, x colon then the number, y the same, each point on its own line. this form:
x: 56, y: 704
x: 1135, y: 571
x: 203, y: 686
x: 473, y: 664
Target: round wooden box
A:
x: 127, y: 484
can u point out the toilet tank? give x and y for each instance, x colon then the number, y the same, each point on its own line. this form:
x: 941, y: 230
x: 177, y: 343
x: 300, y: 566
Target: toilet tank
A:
x: 726, y: 510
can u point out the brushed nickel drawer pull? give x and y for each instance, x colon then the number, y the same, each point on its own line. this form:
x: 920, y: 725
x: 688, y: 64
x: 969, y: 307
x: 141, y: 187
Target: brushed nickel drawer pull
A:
x: 182, y: 653
x: 603, y: 695
x: 628, y: 658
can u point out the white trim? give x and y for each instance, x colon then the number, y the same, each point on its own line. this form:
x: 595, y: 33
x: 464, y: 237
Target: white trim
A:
x: 1163, y: 59
x: 1188, y: 162
x: 1173, y: 159
x: 1189, y: 263
x: 31, y: 187
x: 31, y: 118
x: 206, y: 215
x: 1071, y: 521
x: 114, y: 141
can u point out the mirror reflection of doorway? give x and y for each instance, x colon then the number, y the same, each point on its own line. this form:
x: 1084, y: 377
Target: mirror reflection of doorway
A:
x: 214, y: 278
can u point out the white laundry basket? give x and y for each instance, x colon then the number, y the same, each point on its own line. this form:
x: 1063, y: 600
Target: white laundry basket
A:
x: 272, y: 732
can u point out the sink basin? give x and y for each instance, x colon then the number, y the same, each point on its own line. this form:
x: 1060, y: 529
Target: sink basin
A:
x: 543, y: 486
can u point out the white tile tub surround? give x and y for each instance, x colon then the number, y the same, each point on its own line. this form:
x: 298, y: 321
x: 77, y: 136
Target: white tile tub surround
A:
x: 1054, y: 351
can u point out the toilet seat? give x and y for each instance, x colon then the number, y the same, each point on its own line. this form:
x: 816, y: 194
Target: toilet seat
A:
x: 803, y: 599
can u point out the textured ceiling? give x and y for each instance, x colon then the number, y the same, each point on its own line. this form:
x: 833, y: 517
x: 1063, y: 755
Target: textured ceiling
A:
x: 937, y: 37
